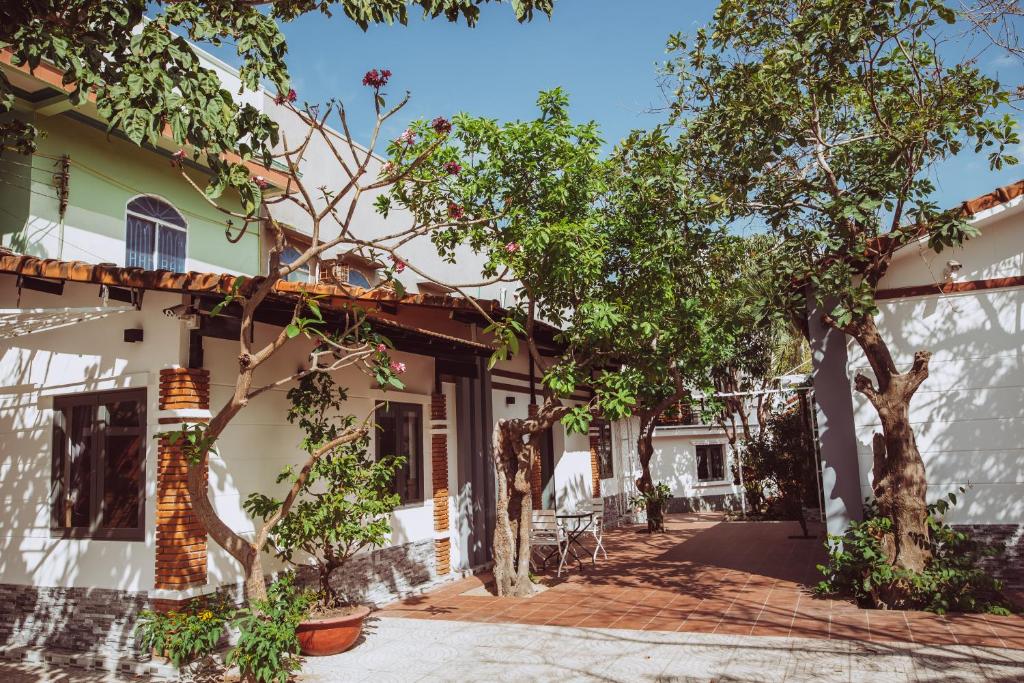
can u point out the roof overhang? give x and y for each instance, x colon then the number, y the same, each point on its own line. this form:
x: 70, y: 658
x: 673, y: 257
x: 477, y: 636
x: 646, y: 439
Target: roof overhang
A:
x: 338, y: 303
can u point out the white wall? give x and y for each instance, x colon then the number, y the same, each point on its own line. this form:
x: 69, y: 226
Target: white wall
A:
x: 968, y: 416
x: 88, y: 356
x: 675, y: 462
x: 572, y: 473
x: 319, y: 166
x: 260, y: 442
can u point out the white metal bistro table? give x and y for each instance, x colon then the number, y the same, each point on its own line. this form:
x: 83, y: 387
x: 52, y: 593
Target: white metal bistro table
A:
x: 581, y: 523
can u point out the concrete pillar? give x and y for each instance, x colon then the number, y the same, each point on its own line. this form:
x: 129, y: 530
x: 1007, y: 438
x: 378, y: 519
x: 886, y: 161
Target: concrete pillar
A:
x: 840, y: 469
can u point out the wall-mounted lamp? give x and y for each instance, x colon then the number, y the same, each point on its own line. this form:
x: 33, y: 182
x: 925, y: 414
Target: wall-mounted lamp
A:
x: 510, y: 400
x: 133, y: 335
x: 952, y: 271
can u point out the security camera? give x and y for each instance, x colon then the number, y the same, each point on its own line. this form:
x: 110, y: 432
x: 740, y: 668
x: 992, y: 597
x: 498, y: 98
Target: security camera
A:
x: 185, y: 313
x: 953, y: 269
x: 178, y: 311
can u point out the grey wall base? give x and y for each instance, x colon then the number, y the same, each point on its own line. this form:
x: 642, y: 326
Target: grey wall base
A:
x: 80, y: 620
x: 95, y: 626
x: 1009, y: 566
x: 716, y: 503
x: 384, y: 575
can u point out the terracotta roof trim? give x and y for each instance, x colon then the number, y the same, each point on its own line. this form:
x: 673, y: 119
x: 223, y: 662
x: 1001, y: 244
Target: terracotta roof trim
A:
x: 990, y: 200
x: 211, y: 283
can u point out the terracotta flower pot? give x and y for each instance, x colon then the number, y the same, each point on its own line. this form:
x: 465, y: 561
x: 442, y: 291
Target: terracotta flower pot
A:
x: 329, y: 636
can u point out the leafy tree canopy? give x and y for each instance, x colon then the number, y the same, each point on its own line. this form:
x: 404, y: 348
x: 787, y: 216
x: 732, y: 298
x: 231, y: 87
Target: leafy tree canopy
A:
x: 823, y: 119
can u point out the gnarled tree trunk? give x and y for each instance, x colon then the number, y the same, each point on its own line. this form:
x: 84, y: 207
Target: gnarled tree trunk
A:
x: 898, y: 481
x: 645, y: 451
x: 516, y: 451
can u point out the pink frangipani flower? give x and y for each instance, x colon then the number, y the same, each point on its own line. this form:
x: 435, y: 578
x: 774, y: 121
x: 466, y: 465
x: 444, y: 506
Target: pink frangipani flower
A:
x: 377, y: 79
x: 441, y: 125
x: 397, y: 367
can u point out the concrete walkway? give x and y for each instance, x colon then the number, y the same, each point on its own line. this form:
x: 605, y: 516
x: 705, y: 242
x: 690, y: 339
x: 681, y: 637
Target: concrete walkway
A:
x: 407, y: 650
x: 404, y: 650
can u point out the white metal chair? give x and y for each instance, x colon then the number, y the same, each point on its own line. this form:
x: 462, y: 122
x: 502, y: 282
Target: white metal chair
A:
x: 595, y: 506
x: 546, y: 531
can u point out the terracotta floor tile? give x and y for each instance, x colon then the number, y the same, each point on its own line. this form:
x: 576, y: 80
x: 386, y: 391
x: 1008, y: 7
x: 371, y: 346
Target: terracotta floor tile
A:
x: 692, y: 625
x: 809, y: 628
x: 734, y: 627
x: 770, y: 629
x: 663, y: 624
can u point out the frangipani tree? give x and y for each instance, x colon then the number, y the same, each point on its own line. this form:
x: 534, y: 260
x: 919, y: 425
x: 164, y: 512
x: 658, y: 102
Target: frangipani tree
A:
x: 823, y: 118
x: 146, y: 81
x: 334, y: 339
x: 524, y: 194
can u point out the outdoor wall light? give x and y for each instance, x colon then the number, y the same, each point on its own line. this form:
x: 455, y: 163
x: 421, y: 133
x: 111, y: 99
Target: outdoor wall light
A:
x: 509, y: 400
x: 133, y: 335
x: 953, y: 269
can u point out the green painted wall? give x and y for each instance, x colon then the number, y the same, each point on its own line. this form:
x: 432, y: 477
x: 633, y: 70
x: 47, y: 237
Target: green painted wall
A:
x: 106, y: 173
x: 16, y: 174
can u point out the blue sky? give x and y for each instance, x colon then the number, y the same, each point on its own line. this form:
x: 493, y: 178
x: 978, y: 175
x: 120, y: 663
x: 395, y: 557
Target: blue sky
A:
x: 603, y: 52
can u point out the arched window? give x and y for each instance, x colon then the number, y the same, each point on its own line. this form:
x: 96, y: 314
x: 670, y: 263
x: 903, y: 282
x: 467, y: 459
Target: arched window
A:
x: 358, y: 279
x: 288, y: 255
x: 154, y: 235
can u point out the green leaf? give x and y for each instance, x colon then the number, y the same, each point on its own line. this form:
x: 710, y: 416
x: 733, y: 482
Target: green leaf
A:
x: 292, y: 330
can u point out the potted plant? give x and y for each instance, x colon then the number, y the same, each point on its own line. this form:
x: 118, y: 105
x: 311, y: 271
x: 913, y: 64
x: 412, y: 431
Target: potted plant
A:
x: 344, y: 505
x: 655, y: 504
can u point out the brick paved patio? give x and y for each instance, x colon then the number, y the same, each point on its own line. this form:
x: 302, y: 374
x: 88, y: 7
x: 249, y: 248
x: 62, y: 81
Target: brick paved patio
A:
x: 705, y: 575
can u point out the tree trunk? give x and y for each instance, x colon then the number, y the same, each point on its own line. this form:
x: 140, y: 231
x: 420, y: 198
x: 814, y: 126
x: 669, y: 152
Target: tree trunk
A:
x: 645, y: 484
x: 899, y: 482
x: 516, y: 450
x: 901, y: 491
x: 512, y: 462
x: 246, y: 553
x: 255, y: 586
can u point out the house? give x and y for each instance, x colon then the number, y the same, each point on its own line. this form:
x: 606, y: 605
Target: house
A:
x: 965, y: 306
x: 691, y: 456
x: 111, y: 265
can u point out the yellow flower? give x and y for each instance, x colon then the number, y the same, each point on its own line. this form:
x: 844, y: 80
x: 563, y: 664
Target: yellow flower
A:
x: 206, y: 615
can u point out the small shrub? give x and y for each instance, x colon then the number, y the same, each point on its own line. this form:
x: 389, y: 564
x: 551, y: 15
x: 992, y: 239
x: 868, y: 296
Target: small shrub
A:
x: 952, y: 581
x: 655, y: 502
x: 268, y: 649
x: 186, y: 635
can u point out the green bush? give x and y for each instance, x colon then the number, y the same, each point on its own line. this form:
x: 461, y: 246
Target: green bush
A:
x: 186, y: 635
x: 268, y: 649
x: 953, y: 580
x: 655, y: 502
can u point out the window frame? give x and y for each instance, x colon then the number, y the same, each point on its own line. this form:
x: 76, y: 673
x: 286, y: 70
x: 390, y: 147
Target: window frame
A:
x: 418, y: 409
x: 296, y: 240
x: 60, y: 465
x: 159, y: 224
x: 711, y: 447
x: 604, y: 441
